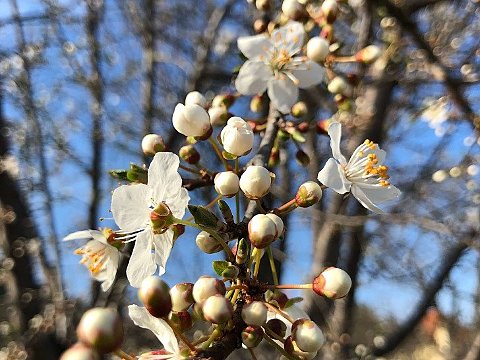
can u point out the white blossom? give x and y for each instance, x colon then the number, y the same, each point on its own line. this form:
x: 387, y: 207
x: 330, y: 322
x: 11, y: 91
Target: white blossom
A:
x: 98, y: 255
x: 237, y: 136
x: 132, y: 208
x: 191, y: 120
x: 364, y: 175
x: 273, y: 65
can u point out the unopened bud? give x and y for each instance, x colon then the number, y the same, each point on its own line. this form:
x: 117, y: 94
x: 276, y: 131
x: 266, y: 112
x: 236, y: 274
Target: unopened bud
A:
x: 252, y: 336
x: 227, y: 183
x: 241, y: 252
x: 255, y: 182
x: 292, y: 348
x: 254, y: 313
x: 182, y: 320
x: 308, y: 194
x: 299, y: 109
x: 191, y: 120
x: 330, y: 10
x: 333, y: 283
x: 101, y: 329
x: 307, y: 335
x: 194, y: 97
x: 226, y: 100
x: 181, y: 296
x: 261, y: 231
x: 343, y: 102
x: 218, y: 115
x: 259, y: 26
x: 302, y: 158
x: 277, y: 326
x: 322, y: 126
x: 207, y: 243
x: 263, y: 5
x: 369, y: 54
x: 327, y: 32
x: 152, y: 143
x: 154, y: 293
x: 293, y: 9
x: 237, y: 136
x: 278, y: 223
x: 207, y: 286
x: 189, y: 154
x: 258, y: 104
x: 318, y: 49
x: 217, y: 309
x: 338, y: 85
x: 80, y: 352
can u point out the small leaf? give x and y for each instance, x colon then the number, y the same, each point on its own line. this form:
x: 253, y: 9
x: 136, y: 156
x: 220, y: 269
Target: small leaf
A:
x: 292, y: 301
x: 230, y: 272
x: 226, y: 211
x: 297, y: 136
x: 204, y: 217
x: 119, y: 174
x: 220, y: 266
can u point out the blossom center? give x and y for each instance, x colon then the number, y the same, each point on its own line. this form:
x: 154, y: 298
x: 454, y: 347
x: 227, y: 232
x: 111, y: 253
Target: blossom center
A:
x: 94, y: 259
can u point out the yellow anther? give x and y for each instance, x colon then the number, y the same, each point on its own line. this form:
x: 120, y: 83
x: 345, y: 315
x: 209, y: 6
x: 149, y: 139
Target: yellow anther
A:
x: 384, y: 183
x: 361, y: 153
x: 370, y: 144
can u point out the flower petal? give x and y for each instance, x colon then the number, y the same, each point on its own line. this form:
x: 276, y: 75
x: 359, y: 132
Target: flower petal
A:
x: 81, y: 235
x: 254, y: 46
x: 111, y: 268
x: 332, y: 175
x: 163, y: 244
x: 180, y: 204
x: 370, y: 196
x: 335, y: 133
x: 309, y: 74
x: 129, y: 206
x: 142, y: 261
x: 253, y: 77
x: 164, y: 181
x: 289, y: 37
x: 141, y: 317
x: 283, y: 93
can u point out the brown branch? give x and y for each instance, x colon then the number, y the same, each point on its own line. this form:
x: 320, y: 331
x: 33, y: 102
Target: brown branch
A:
x: 474, y: 351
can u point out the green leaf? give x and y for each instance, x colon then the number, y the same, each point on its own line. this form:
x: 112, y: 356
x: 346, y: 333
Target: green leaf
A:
x: 220, y: 266
x: 297, y: 136
x: 119, y: 174
x: 292, y: 301
x: 230, y: 272
x: 204, y: 217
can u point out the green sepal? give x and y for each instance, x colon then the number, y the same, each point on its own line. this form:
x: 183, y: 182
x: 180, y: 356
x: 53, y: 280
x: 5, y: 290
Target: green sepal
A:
x: 293, y: 301
x: 119, y: 174
x: 220, y: 266
x: 204, y: 217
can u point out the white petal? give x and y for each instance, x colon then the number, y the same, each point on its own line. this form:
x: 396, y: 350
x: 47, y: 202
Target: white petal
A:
x: 129, y: 206
x: 180, y: 204
x: 164, y: 180
x: 289, y: 37
x: 80, y: 235
x: 309, y: 74
x: 254, y: 46
x: 111, y: 268
x: 370, y: 196
x: 163, y: 244
x: 332, y: 176
x: 253, y: 77
x: 141, y: 317
x: 335, y: 133
x: 142, y: 261
x: 283, y: 93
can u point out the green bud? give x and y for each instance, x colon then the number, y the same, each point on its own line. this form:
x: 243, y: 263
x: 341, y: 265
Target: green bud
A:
x: 252, y: 336
x: 308, y: 194
x: 189, y: 154
x: 299, y: 109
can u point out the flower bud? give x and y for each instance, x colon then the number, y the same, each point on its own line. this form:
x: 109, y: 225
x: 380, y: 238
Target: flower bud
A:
x: 225, y: 100
x: 254, y: 313
x: 302, y: 158
x: 218, y: 115
x: 307, y: 335
x: 152, y: 143
x: 101, y: 329
x: 217, y: 309
x: 207, y: 286
x: 181, y: 296
x: 191, y: 120
x: 255, y: 182
x: 80, y: 352
x: 258, y: 104
x: 299, y: 109
x: 278, y: 224
x: 207, y: 243
x: 227, y: 183
x: 333, y: 283
x: 277, y: 326
x: 194, y: 97
x: 338, y: 85
x: 308, y: 194
x: 241, y: 252
x: 181, y: 319
x: 259, y: 26
x: 261, y: 231
x: 189, y: 154
x: 322, y: 126
x: 237, y: 136
x: 330, y: 10
x: 369, y: 54
x: 154, y: 293
x: 318, y: 49
x: 252, y: 336
x: 293, y: 9
x: 292, y: 348
x: 263, y: 5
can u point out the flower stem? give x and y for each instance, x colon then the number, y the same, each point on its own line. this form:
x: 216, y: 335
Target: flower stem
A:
x: 123, y: 355
x: 218, y: 151
x: 235, y: 287
x: 278, y: 347
x: 252, y: 354
x: 290, y: 286
x: 189, y: 169
x: 273, y: 335
x: 237, y: 195
x: 343, y: 59
x: 287, y: 207
x: 280, y: 312
x: 181, y: 336
x: 213, y: 202
x: 260, y: 206
x: 272, y: 265
x: 257, y: 264
x: 215, y: 334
